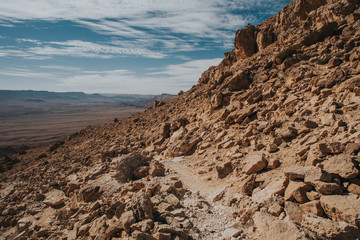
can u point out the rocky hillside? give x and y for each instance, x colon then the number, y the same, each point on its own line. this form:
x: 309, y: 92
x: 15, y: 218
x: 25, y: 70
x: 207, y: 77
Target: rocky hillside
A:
x: 265, y: 146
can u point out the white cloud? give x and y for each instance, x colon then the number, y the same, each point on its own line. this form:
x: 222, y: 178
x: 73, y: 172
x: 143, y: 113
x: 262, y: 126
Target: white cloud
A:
x: 138, y: 19
x: 188, y: 71
x: 28, y: 40
x: 75, y: 48
x: 26, y: 73
x: 62, y: 68
x: 170, y: 79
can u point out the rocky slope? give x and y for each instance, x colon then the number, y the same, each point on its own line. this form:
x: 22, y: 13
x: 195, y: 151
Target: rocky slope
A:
x: 265, y: 146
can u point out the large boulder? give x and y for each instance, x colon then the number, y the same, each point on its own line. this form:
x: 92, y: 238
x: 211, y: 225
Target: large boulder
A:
x: 342, y: 165
x: 126, y: 166
x: 270, y: 227
x: 328, y: 229
x: 254, y: 163
x: 55, y: 198
x: 344, y: 208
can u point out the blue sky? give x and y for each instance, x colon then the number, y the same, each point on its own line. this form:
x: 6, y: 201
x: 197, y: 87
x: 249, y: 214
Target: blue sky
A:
x: 119, y: 46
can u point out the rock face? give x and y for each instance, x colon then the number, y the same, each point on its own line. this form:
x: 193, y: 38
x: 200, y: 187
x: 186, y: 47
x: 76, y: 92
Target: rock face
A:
x: 265, y: 146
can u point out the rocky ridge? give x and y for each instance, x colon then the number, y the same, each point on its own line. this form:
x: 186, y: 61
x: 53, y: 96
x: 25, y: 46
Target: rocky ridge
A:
x: 265, y: 146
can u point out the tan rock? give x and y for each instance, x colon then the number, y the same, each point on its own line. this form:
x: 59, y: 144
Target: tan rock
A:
x: 254, y: 163
x: 218, y: 194
x: 328, y: 229
x: 327, y: 188
x: 55, y: 198
x: 342, y: 165
x: 224, y: 170
x: 273, y: 163
x: 313, y: 195
x: 354, y: 188
x: 352, y: 148
x: 156, y: 169
x: 275, y: 187
x: 269, y: 227
x: 313, y: 207
x: 246, y: 184
x: 293, y: 211
x: 114, y: 226
x: 342, y: 208
x: 312, y: 158
x: 331, y: 148
x: 98, y: 227
x: 297, y: 191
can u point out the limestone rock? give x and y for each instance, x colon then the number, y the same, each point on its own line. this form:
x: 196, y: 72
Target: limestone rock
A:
x: 269, y: 227
x: 231, y: 233
x: 254, y: 163
x: 246, y: 184
x: 55, y: 198
x: 313, y: 207
x: 344, y: 208
x: 275, y: 187
x: 224, y: 170
x: 342, y: 165
x: 328, y: 229
x: 127, y: 165
x: 297, y: 191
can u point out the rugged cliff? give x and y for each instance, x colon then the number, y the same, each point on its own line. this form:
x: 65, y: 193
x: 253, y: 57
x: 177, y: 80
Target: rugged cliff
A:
x: 265, y: 146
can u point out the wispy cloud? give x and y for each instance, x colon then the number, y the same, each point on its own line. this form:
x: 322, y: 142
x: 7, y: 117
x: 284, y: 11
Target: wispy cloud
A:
x: 60, y: 67
x: 26, y: 73
x: 138, y: 19
x: 170, y: 79
x: 75, y: 48
x: 186, y: 72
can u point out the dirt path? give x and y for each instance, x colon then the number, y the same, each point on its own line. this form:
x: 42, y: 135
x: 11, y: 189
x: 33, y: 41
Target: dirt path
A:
x: 211, y: 219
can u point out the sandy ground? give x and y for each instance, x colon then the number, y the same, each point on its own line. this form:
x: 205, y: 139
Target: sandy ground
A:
x: 34, y: 130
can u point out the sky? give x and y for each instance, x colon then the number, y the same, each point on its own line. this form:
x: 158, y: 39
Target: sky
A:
x: 119, y: 46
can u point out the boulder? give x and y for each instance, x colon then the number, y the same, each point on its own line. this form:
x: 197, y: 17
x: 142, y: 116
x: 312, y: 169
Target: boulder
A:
x: 275, y: 187
x: 156, y: 169
x: 269, y: 227
x: 230, y: 233
x: 313, y: 207
x: 127, y: 165
x: 342, y: 165
x: 224, y: 169
x: 55, y: 198
x: 293, y: 211
x: 218, y: 194
x: 254, y: 163
x: 297, y: 191
x: 328, y: 229
x: 246, y: 184
x: 344, y: 208
x: 331, y: 148
x: 245, y: 42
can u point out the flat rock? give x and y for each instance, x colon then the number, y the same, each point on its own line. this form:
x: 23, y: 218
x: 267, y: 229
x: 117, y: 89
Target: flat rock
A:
x: 231, y: 232
x: 55, y: 198
x: 276, y: 187
x: 342, y: 165
x: 270, y: 227
x: 254, y: 163
x: 344, y: 208
x: 297, y: 191
x: 224, y: 170
x: 218, y: 194
x: 313, y: 207
x: 328, y: 229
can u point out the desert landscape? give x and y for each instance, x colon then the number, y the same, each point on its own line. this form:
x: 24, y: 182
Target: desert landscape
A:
x: 34, y: 118
x: 265, y: 146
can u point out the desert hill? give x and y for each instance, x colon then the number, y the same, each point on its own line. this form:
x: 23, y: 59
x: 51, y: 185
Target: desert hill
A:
x: 265, y: 146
